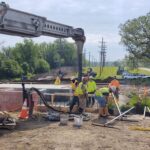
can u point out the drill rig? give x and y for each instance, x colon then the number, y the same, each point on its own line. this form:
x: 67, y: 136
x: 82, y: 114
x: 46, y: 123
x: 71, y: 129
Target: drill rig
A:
x: 19, y: 23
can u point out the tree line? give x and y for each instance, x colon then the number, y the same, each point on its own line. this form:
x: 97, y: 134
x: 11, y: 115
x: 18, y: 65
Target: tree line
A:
x: 28, y: 57
x: 135, y: 36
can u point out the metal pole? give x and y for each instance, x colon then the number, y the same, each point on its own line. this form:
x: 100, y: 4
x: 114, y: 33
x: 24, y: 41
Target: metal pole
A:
x: 89, y: 60
x: 84, y: 57
x: 99, y: 63
x: 79, y: 44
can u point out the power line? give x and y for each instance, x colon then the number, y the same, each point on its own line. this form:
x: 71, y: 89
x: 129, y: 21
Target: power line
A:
x: 84, y: 58
x: 102, y: 56
x: 89, y: 59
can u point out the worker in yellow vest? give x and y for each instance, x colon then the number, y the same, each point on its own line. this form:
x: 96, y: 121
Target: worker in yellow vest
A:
x: 75, y: 100
x: 82, y: 94
x: 102, y: 95
x: 91, y: 88
x: 73, y: 83
x: 57, y: 81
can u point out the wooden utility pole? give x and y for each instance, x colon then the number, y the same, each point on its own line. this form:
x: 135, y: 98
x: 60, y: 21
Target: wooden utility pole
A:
x: 102, y: 57
x: 84, y: 57
x: 89, y: 59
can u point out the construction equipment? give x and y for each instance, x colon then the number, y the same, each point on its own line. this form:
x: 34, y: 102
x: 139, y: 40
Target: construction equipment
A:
x: 19, y: 23
x: 6, y: 121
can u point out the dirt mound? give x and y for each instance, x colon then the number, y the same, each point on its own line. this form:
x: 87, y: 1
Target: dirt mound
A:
x: 66, y: 72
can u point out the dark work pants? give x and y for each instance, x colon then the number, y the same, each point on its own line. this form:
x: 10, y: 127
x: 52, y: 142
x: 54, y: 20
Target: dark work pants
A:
x: 91, y: 100
x: 75, y: 100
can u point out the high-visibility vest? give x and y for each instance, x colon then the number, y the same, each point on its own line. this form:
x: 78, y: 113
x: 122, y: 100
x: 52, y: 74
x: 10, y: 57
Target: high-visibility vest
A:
x: 81, y: 89
x: 57, y: 81
x: 76, y: 92
x: 73, y: 85
x: 91, y: 86
x: 114, y: 83
x: 104, y: 90
x: 100, y: 91
x: 74, y: 88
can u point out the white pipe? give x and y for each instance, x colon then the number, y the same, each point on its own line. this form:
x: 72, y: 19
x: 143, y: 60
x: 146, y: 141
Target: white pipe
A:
x: 148, y: 109
x: 119, y: 116
x: 144, y: 112
x: 116, y: 103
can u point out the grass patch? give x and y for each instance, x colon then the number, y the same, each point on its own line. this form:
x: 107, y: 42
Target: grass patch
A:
x: 108, y: 71
x: 139, y: 71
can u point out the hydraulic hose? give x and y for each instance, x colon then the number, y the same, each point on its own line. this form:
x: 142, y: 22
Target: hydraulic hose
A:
x: 43, y: 99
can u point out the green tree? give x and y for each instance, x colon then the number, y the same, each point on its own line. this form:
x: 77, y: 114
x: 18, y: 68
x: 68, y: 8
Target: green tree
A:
x: 31, y: 58
x: 42, y: 66
x: 131, y: 62
x: 50, y: 54
x: 67, y: 51
x: 27, y: 52
x: 135, y: 35
x: 7, y: 52
x: 10, y: 68
x: 59, y: 54
x: 25, y: 68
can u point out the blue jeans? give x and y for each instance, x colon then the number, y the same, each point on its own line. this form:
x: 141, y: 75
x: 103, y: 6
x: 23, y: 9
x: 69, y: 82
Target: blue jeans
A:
x: 101, y: 100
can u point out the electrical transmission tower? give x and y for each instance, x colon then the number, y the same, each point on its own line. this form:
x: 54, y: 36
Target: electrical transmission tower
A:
x: 102, y: 56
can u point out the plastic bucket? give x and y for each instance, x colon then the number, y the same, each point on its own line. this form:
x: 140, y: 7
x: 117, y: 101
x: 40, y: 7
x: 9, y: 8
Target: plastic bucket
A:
x: 78, y: 121
x: 64, y: 119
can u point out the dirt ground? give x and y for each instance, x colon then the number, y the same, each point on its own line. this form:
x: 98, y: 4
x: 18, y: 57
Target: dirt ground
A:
x: 45, y: 135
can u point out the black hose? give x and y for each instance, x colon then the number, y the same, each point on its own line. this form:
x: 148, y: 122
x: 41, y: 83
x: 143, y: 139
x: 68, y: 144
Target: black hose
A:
x: 43, y: 99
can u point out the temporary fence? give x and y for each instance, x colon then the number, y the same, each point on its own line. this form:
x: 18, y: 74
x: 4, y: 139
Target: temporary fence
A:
x: 10, y: 100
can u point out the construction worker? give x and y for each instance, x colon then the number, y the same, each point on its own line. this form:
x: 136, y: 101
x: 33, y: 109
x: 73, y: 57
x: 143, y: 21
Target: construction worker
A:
x: 57, y: 81
x: 73, y: 83
x: 91, y: 88
x: 114, y: 87
x: 82, y: 94
x: 75, y: 100
x: 102, y: 95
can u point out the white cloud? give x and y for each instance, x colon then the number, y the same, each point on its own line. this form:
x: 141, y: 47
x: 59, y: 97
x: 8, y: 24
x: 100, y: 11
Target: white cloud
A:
x: 111, y: 38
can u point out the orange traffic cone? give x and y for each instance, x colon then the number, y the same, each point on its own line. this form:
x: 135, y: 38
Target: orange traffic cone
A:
x: 24, y: 111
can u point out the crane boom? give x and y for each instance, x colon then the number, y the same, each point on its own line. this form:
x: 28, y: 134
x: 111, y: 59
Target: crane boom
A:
x: 19, y: 23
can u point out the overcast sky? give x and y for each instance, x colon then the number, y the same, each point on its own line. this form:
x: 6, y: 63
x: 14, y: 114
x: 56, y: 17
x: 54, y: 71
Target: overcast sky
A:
x: 98, y: 18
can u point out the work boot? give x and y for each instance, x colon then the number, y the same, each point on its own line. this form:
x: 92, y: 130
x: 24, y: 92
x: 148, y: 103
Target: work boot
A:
x: 80, y: 110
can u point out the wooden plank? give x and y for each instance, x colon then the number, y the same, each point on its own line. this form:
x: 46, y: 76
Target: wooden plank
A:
x: 104, y: 125
x: 65, y: 94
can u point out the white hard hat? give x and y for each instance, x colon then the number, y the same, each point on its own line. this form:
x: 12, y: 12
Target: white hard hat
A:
x: 90, y: 77
x: 72, y: 78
